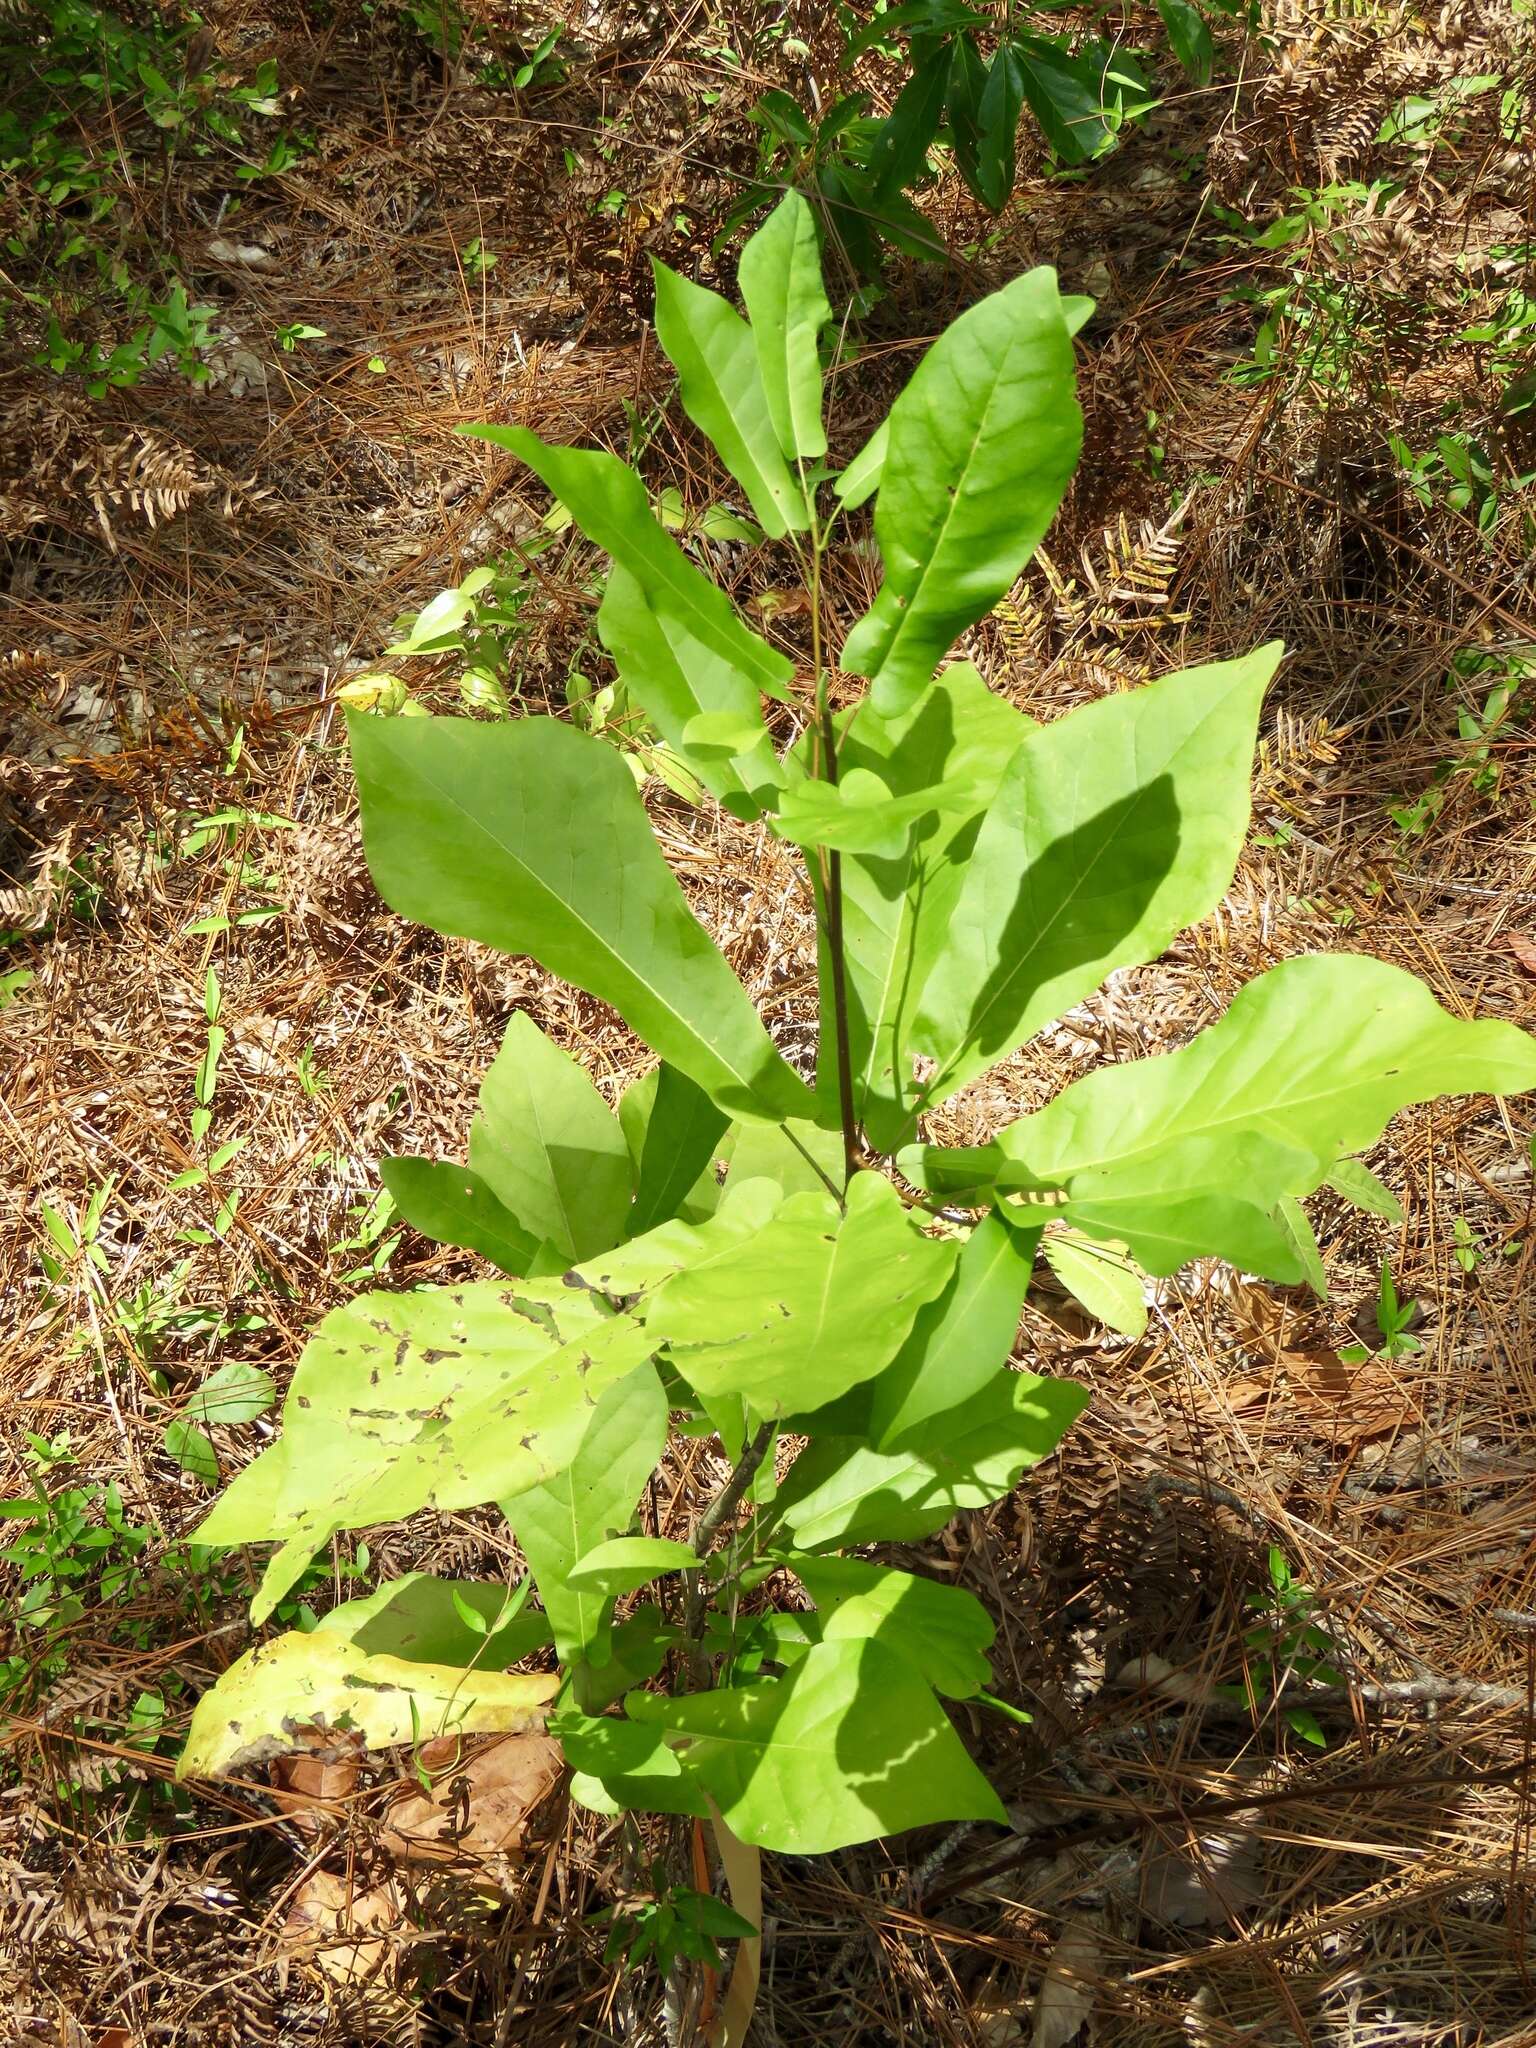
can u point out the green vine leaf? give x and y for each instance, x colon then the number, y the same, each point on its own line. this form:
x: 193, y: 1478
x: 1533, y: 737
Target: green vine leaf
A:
x: 982, y: 445
x: 847, y: 1746
x: 780, y: 278
x: 512, y: 834
x: 814, y: 1302
x: 320, y: 1680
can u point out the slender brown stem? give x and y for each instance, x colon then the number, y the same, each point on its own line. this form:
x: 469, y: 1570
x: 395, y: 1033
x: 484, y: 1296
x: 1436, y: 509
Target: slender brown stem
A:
x: 719, y: 1511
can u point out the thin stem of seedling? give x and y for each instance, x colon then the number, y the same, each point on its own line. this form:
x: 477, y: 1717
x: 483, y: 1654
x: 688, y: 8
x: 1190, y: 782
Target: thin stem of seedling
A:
x: 719, y: 1511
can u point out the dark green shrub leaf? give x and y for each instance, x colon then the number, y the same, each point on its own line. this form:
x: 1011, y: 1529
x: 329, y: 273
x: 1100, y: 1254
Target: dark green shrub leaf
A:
x: 682, y: 1137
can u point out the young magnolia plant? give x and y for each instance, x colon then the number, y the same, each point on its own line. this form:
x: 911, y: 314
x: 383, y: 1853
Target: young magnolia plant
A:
x: 845, y: 1284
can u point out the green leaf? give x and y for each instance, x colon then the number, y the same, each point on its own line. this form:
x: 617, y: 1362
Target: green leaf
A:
x: 1310, y: 1063
x: 627, y: 1562
x: 677, y: 680
x: 781, y: 288
x: 1112, y: 829
x: 1190, y: 38
x: 513, y: 833
x: 862, y: 476
x: 420, y: 1619
x: 454, y: 1205
x: 898, y: 155
x: 595, y: 1496
x: 967, y: 83
x: 445, y: 1398
x: 637, y: 1105
x: 813, y: 1303
x: 235, y: 1393
x: 192, y: 1451
x: 620, y: 1766
x: 859, y: 814
x: 1066, y: 93
x: 1103, y: 1277
x: 712, y: 350
x: 1357, y: 1184
x: 800, y: 1158
x: 997, y: 117
x: 941, y: 1630
x: 548, y: 1147
x: 841, y: 1492
x: 983, y: 442
x: 848, y: 1746
x: 608, y: 502
x: 682, y: 1135
x: 956, y: 740
x: 1297, y: 1225
x: 321, y: 1680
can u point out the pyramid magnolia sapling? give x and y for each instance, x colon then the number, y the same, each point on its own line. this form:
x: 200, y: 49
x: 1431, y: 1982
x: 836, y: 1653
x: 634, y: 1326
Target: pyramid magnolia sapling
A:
x: 754, y: 1253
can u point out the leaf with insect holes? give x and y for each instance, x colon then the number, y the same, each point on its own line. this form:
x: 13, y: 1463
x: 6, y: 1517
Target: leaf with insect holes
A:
x: 849, y: 1745
x: 513, y: 834
x: 446, y: 1398
x: 712, y: 349
x: 982, y: 444
x: 593, y: 1499
x: 549, y: 1148
x: 817, y: 1300
x: 319, y: 1680
x: 781, y: 288
x: 453, y: 1205
x: 1112, y: 829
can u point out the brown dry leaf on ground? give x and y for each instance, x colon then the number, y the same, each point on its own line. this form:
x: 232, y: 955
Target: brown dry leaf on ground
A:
x: 1066, y: 1997
x: 340, y: 1929
x: 477, y: 1812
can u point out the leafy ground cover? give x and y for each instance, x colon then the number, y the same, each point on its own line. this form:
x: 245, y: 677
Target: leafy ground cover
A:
x: 1303, y: 393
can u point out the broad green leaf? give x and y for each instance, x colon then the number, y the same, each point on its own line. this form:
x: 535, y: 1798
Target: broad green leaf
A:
x: 678, y: 680
x: 958, y: 737
x: 942, y: 1630
x: 682, y: 1136
x: 813, y: 1303
x: 1309, y: 1064
x: 593, y: 1499
x: 549, y: 1148
x: 320, y: 1680
x: 711, y: 348
x: 444, y: 1398
x: 982, y: 445
x: 639, y: 1266
x: 453, y: 1205
x: 608, y: 502
x: 1112, y: 829
x: 781, y: 288
x: 1103, y: 1277
x: 417, y: 1618
x: 637, y: 1105
x: 801, y: 1158
x: 847, y: 1746
x: 1357, y: 1184
x: 513, y: 834
x: 841, y: 1493
x: 627, y: 1562
x: 237, y: 1392
x: 1190, y: 38
x: 862, y: 476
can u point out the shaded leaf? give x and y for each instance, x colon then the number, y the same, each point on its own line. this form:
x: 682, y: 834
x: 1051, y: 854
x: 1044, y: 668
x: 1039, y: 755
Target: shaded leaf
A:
x: 454, y: 1205
x: 943, y: 1631
x: 418, y: 1619
x: 237, y: 1392
x: 192, y: 1450
x: 1102, y: 1277
x: 682, y: 1136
